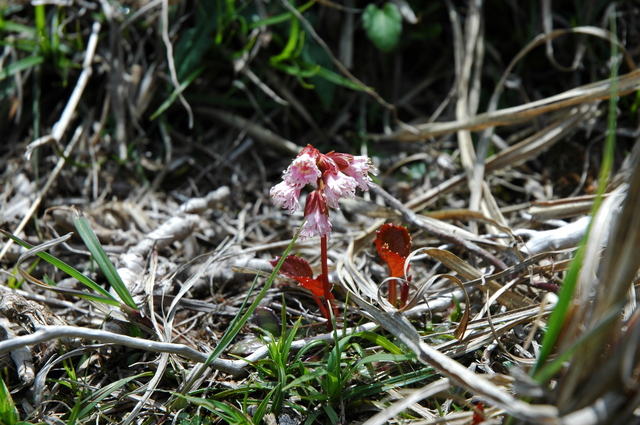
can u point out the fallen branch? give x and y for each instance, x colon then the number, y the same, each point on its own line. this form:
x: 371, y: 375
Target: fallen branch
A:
x: 233, y: 367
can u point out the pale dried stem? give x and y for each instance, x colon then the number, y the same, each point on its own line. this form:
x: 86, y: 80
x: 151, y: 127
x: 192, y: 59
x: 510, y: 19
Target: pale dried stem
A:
x: 514, y: 155
x: 596, y: 369
x: 427, y: 391
x: 59, y: 129
x: 235, y: 368
x: 464, y: 54
x: 170, y: 61
x: 163, y: 361
x: 627, y: 83
x: 398, y: 325
x: 261, y: 134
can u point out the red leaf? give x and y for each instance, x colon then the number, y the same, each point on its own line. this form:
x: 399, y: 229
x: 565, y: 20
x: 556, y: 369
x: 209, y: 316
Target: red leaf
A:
x: 396, y: 237
x: 313, y: 285
x: 477, y: 416
x: 299, y: 269
x: 393, y: 260
x: 294, y: 267
x: 394, y: 246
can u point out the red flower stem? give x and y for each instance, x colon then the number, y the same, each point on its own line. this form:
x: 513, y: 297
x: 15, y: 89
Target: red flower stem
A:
x: 324, y: 260
x: 326, y: 286
x: 404, y: 294
x: 393, y: 293
x: 323, y: 309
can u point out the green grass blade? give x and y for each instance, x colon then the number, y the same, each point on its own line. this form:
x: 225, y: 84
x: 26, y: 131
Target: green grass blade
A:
x: 386, y: 357
x: 8, y: 411
x: 98, y: 396
x: 23, y: 30
x: 549, y: 370
x: 90, y: 239
x: 174, y: 95
x: 227, y: 413
x: 240, y: 320
x: 406, y: 379
x: 290, y: 336
x: 278, y: 19
x: 311, y: 376
x: 20, y: 65
x: 71, y: 292
x: 559, y: 314
x: 331, y: 413
x: 290, y: 47
x: 379, y: 340
x: 41, y: 26
x: 262, y: 407
x: 62, y: 266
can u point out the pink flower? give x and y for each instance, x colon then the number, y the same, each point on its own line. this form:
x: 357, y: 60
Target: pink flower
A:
x: 338, y: 185
x: 335, y: 175
x: 317, y: 216
x: 303, y: 170
x: 359, y: 168
x: 286, y: 195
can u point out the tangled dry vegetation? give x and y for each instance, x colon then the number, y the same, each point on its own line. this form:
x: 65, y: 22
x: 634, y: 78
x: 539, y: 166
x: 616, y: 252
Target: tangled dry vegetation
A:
x: 505, y: 135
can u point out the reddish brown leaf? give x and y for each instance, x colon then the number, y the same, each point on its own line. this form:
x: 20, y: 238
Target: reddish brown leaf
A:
x: 394, y: 246
x: 393, y: 260
x: 396, y: 237
x: 313, y: 285
x: 478, y: 414
x: 294, y: 267
x: 299, y: 269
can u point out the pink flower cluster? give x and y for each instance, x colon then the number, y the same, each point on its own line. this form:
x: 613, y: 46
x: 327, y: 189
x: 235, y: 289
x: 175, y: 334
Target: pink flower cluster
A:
x: 334, y: 176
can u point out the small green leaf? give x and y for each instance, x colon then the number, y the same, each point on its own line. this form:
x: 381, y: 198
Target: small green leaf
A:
x: 20, y: 65
x: 295, y: 37
x: 8, y: 410
x: 278, y: 19
x: 383, y: 26
x: 100, y: 256
x: 227, y: 412
x: 267, y: 320
x: 62, y: 266
x: 176, y: 93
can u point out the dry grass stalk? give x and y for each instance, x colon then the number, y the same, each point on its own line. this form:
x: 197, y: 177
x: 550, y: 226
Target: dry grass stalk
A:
x: 626, y: 83
x: 596, y: 372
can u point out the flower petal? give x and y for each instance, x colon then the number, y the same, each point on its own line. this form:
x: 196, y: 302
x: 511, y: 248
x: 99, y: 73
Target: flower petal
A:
x: 316, y: 224
x: 302, y: 171
x: 338, y: 185
x: 286, y: 195
x: 359, y: 168
x: 317, y: 216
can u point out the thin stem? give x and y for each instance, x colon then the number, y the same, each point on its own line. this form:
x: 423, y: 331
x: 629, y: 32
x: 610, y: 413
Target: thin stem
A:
x: 326, y: 286
x: 393, y: 293
x: 404, y: 294
x: 325, y: 267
